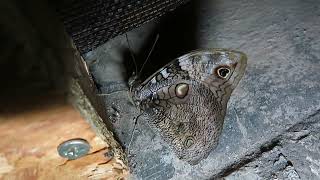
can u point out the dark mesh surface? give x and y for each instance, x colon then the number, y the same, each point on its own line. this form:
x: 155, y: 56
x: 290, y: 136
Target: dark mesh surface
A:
x: 93, y: 22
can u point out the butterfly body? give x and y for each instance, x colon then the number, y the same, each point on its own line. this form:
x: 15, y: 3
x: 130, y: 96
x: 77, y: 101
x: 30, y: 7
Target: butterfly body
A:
x: 186, y: 100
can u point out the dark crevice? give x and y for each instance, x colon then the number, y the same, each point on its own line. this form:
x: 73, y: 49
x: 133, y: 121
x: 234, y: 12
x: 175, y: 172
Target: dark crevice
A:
x: 289, y: 163
x: 277, y: 141
x: 305, y: 124
x: 269, y: 146
x: 248, y: 158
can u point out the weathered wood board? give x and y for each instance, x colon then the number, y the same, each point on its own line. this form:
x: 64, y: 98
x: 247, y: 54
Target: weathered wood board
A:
x: 30, y: 131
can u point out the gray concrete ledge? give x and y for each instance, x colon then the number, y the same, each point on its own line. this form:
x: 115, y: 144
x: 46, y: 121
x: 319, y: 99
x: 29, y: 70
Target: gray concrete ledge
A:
x: 271, y: 127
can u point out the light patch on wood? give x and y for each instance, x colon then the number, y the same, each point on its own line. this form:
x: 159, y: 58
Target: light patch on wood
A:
x: 30, y: 132
x: 4, y: 166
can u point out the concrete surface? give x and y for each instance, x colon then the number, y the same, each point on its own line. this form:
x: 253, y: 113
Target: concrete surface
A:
x: 271, y: 129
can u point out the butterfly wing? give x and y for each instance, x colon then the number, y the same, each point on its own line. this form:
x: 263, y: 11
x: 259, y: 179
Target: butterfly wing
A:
x: 186, y: 100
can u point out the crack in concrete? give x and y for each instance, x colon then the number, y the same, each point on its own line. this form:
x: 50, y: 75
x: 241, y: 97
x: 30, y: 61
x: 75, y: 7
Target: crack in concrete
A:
x: 268, y: 146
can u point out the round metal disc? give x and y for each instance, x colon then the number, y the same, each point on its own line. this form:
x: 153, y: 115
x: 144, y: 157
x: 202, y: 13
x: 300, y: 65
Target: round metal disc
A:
x: 73, y: 148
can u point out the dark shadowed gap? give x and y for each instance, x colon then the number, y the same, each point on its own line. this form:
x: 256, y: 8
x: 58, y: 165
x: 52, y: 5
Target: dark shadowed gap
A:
x: 177, y: 31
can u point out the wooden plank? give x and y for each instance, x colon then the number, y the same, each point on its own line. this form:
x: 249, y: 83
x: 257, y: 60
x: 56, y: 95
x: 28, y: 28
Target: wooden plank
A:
x: 48, y: 44
x: 32, y: 128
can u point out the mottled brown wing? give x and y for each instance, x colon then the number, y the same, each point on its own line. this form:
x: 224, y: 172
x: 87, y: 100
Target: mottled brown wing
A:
x: 186, y: 100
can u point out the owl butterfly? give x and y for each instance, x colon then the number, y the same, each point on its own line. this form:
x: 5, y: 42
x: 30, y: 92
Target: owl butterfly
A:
x: 186, y: 100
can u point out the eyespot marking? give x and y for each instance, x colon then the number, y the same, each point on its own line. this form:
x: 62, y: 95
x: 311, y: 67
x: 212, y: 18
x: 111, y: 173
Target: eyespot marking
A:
x: 189, y: 142
x: 182, y: 90
x: 223, y: 72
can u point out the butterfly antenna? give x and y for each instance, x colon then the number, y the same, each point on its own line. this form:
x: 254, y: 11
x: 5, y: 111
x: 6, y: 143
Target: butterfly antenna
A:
x: 131, y: 53
x: 150, y: 52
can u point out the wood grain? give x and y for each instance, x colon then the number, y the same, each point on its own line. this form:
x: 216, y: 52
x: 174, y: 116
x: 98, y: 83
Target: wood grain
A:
x: 30, y: 131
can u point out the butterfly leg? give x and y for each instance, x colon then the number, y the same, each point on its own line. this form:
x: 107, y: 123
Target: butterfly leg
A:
x: 135, y: 119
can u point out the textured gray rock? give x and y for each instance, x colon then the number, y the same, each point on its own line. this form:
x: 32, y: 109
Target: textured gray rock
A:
x: 292, y: 155
x: 265, y: 134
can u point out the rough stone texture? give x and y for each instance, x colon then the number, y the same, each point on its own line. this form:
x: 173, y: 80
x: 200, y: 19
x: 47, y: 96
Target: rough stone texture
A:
x: 292, y: 155
x: 271, y: 127
x: 79, y: 100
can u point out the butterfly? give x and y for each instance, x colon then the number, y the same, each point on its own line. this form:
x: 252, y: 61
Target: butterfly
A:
x: 186, y: 100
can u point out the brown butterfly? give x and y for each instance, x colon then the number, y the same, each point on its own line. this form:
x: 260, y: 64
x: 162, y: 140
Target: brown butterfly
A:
x: 186, y: 100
